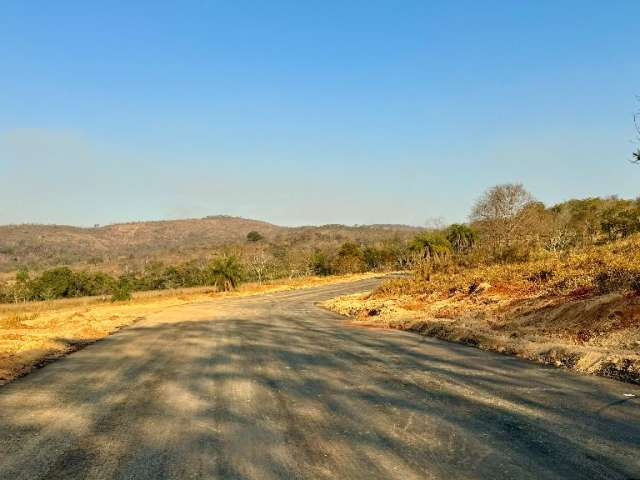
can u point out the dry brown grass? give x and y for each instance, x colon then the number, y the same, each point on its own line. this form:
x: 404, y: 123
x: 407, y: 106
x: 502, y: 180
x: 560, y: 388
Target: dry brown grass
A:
x: 35, y: 333
x: 580, y: 311
x: 598, y: 269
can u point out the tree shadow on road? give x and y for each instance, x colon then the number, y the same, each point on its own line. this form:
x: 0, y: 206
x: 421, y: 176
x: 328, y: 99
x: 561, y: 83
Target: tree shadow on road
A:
x: 297, y: 394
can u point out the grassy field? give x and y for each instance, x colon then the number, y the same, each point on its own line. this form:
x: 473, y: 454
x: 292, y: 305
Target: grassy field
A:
x: 579, y: 310
x: 32, y: 334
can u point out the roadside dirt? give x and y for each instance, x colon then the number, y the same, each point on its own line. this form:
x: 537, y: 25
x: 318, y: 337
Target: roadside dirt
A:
x: 597, y: 335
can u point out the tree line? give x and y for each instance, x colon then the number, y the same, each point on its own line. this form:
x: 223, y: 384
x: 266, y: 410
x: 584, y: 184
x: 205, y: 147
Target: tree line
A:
x: 225, y: 273
x: 506, y: 224
x: 257, y: 261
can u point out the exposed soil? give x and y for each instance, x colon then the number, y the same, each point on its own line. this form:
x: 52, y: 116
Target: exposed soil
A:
x: 589, y: 334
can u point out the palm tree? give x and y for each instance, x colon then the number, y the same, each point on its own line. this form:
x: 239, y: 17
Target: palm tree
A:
x: 461, y: 237
x: 431, y: 246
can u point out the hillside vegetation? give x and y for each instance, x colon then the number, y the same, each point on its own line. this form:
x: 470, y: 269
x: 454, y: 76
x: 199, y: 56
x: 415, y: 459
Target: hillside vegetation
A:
x: 128, y: 246
x: 50, y: 262
x: 559, y: 285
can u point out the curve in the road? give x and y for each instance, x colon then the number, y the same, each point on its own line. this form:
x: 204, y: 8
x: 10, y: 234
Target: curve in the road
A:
x: 272, y: 387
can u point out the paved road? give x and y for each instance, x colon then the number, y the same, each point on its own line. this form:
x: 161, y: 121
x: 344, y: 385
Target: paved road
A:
x: 274, y: 387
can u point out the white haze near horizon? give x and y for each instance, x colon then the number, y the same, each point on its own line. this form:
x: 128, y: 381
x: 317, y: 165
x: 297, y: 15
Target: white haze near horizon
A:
x: 65, y: 177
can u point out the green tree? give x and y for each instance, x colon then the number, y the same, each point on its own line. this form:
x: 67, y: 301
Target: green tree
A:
x: 431, y: 246
x: 92, y: 283
x: 350, y: 258
x: 153, y: 277
x: 121, y: 290
x: 618, y: 221
x: 225, y: 272
x: 320, y: 263
x: 55, y: 283
x: 374, y: 257
x: 21, y: 290
x: 254, y: 236
x: 461, y: 237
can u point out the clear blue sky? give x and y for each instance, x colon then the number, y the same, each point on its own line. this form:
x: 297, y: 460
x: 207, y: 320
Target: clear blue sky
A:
x: 310, y: 112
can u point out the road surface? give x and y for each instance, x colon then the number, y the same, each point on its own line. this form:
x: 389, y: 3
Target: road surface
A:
x: 272, y: 387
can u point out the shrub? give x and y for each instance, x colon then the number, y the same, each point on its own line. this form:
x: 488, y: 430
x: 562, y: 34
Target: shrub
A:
x: 620, y: 222
x: 542, y: 276
x: 512, y: 254
x: 320, y: 263
x: 225, y: 272
x: 88, y: 284
x: 350, y: 259
x: 254, y: 236
x: 615, y: 279
x: 6, y: 295
x: 373, y: 258
x: 56, y: 283
x: 121, y: 291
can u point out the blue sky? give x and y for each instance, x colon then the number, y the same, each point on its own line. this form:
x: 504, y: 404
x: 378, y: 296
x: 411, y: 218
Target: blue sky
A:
x: 310, y: 112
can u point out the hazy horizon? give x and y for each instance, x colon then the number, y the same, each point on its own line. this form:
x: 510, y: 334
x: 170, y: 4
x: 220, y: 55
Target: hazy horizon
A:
x: 434, y: 222
x: 151, y: 220
x: 302, y: 114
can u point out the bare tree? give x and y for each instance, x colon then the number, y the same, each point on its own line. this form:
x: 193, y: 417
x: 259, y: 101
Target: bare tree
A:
x: 502, y: 213
x: 562, y: 235
x: 259, y: 264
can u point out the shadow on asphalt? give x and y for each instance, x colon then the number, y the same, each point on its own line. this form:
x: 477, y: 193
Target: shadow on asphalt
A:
x: 292, y: 392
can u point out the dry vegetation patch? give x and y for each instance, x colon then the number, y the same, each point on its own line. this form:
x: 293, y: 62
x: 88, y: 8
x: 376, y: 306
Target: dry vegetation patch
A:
x: 580, y: 310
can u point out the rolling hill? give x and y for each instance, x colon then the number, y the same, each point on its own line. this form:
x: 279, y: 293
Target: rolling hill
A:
x: 112, y: 247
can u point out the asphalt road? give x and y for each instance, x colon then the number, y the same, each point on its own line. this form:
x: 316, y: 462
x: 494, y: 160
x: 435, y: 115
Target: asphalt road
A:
x: 274, y: 387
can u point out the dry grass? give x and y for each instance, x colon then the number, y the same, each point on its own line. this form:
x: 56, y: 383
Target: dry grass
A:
x: 580, y: 311
x: 599, y: 269
x: 35, y: 333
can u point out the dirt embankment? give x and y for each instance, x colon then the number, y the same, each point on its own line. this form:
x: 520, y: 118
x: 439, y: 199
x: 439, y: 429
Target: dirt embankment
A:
x: 589, y: 334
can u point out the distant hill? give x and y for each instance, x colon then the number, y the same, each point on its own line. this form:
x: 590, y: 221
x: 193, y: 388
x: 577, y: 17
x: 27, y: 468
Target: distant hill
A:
x: 111, y: 246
